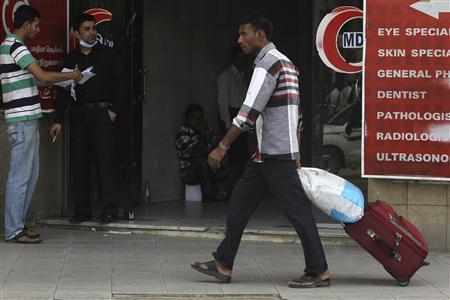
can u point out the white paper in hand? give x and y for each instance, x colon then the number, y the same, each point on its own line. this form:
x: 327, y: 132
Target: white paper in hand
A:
x: 87, y: 74
x: 72, y: 91
x: 66, y: 83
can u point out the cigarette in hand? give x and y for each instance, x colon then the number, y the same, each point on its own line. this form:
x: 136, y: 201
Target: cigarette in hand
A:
x: 54, y: 139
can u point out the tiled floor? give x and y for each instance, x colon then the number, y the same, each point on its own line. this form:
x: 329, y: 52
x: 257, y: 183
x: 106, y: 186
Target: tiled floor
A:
x: 93, y: 265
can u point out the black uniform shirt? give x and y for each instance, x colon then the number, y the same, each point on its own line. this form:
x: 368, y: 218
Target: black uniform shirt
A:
x: 108, y: 84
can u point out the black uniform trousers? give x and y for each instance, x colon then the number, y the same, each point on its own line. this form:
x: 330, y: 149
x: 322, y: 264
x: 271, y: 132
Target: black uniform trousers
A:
x: 281, y: 178
x: 91, y: 140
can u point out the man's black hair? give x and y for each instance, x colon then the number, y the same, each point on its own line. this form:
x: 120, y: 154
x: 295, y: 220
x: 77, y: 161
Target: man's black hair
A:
x: 83, y: 17
x: 193, y: 107
x: 23, y: 14
x: 259, y: 22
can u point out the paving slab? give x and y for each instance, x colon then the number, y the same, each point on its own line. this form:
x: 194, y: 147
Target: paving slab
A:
x: 80, y: 264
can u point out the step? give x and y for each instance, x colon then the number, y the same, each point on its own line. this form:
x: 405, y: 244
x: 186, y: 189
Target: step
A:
x: 330, y: 234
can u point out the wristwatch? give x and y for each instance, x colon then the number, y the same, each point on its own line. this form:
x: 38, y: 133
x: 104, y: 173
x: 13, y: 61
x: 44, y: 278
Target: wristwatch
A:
x: 223, y: 147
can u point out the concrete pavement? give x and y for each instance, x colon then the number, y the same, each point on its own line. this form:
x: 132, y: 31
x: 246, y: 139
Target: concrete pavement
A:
x: 80, y: 264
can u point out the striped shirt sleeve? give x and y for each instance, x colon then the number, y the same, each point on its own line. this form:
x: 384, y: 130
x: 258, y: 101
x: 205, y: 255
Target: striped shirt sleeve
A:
x: 259, y: 92
x: 21, y: 55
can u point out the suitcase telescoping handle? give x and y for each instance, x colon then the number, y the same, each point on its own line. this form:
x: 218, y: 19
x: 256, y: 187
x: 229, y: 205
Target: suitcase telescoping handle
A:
x: 391, y: 252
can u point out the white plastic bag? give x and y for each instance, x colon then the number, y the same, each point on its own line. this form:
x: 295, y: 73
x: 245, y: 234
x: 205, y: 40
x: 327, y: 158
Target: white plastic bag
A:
x: 335, y: 196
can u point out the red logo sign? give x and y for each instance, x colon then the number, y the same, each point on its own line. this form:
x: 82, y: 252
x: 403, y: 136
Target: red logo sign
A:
x: 100, y: 15
x: 327, y: 39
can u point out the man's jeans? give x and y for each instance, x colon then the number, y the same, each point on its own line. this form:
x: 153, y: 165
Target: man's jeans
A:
x: 23, y: 174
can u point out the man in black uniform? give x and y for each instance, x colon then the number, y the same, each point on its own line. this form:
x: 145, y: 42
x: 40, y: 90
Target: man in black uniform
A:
x: 93, y: 109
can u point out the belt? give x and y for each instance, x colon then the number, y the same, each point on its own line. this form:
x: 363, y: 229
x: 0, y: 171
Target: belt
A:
x: 96, y: 104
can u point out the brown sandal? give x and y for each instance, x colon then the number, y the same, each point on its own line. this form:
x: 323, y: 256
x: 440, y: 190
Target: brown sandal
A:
x: 31, y: 234
x: 23, y: 238
x: 309, y: 280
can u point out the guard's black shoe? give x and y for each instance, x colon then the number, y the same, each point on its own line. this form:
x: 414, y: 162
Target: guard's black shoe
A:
x: 78, y: 219
x: 108, y: 218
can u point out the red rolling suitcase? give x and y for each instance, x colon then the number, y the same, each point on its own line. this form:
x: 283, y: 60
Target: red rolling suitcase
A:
x: 391, y: 239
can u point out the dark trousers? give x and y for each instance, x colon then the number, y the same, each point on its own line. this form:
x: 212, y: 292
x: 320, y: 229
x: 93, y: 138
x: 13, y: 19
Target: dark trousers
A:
x: 199, y: 172
x: 281, y: 178
x: 91, y: 140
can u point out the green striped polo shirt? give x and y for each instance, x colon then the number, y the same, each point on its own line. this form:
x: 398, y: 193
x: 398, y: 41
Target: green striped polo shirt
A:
x: 19, y: 87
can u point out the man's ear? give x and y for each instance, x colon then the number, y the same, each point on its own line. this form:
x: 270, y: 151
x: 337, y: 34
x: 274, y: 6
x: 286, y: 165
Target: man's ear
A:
x: 260, y: 34
x: 26, y: 25
x: 77, y: 34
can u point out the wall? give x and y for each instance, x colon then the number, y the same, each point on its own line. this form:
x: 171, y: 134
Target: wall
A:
x: 425, y: 204
x: 186, y: 45
x: 48, y: 199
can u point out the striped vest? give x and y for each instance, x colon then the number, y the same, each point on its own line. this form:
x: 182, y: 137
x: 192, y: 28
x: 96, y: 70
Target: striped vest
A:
x: 19, y: 88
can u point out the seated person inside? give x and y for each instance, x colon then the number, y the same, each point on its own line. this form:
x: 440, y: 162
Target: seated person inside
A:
x: 194, y: 141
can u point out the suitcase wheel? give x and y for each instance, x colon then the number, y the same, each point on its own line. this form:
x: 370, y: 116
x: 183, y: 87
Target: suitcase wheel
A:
x: 403, y: 283
x: 424, y: 264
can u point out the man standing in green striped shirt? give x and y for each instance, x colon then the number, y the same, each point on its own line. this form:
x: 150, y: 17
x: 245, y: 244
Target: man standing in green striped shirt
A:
x: 19, y: 75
